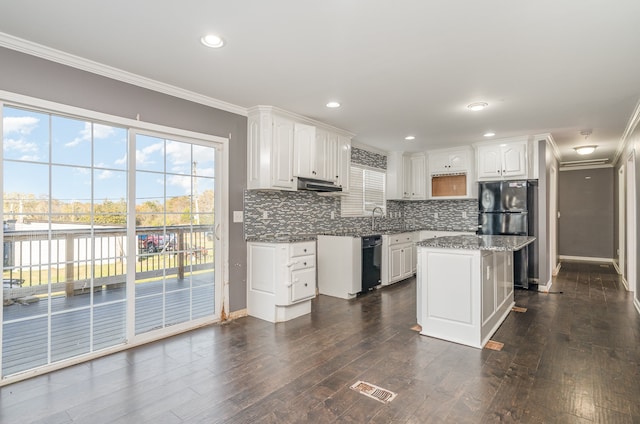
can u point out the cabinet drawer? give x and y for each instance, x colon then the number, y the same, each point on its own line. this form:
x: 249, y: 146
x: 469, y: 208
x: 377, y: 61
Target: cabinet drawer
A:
x: 302, y: 262
x: 303, y: 284
x: 401, y: 238
x: 303, y: 249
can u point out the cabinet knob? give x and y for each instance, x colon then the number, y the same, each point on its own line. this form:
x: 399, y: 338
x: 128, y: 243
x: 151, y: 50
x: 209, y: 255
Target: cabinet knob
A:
x: 304, y: 263
x: 305, y: 284
x: 304, y: 250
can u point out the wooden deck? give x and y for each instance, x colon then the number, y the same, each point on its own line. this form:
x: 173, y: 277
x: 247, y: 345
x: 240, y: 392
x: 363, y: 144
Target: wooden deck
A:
x: 25, y: 335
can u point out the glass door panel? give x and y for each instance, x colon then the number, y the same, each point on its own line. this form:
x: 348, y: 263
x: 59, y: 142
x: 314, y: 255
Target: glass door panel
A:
x: 64, y: 233
x: 175, y: 232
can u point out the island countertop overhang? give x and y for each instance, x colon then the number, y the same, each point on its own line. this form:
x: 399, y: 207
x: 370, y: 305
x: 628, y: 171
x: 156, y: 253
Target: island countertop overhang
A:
x: 478, y: 242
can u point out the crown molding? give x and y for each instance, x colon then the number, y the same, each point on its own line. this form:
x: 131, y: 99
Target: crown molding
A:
x: 298, y: 118
x: 53, y: 55
x: 631, y: 126
x: 551, y: 141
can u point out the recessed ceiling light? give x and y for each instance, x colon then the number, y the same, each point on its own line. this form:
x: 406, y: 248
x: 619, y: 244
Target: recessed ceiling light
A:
x: 489, y: 134
x: 410, y: 137
x: 333, y: 104
x: 213, y: 41
x: 478, y: 106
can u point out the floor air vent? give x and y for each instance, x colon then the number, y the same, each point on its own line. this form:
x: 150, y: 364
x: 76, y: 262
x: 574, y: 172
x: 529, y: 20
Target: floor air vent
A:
x: 374, y: 392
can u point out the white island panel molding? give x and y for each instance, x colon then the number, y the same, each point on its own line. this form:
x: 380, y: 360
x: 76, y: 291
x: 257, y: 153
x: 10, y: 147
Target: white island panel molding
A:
x: 450, y: 297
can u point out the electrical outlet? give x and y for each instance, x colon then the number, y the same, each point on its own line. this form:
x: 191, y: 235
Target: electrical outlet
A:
x: 435, y: 215
x: 265, y: 215
x: 464, y: 214
x: 333, y: 215
x: 237, y: 216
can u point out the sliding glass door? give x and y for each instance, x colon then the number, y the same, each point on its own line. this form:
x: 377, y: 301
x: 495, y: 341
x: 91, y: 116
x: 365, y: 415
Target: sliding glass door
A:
x: 109, y: 233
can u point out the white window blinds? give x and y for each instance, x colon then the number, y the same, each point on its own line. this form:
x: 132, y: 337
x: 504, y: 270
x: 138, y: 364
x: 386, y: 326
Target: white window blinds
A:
x: 366, y: 191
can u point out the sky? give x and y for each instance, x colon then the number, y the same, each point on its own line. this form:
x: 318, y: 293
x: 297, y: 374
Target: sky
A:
x: 42, y: 151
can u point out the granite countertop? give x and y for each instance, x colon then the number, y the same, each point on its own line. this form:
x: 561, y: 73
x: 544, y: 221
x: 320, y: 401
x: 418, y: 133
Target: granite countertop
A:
x: 282, y: 238
x: 475, y: 242
x: 354, y: 234
x: 292, y: 238
x: 452, y: 229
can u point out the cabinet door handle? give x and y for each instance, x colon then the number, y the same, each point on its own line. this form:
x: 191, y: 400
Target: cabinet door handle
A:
x: 290, y: 264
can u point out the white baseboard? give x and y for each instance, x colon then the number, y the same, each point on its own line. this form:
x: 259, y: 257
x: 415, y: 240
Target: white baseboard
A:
x: 586, y: 259
x: 615, y: 265
x: 546, y: 287
x: 624, y: 283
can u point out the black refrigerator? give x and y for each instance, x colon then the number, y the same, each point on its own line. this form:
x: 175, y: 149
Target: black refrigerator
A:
x: 509, y: 208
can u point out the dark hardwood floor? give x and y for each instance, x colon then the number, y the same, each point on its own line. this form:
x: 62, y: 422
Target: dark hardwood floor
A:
x: 572, y: 357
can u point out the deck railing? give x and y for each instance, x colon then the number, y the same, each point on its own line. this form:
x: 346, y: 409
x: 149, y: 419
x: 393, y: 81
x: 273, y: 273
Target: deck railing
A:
x: 78, y: 260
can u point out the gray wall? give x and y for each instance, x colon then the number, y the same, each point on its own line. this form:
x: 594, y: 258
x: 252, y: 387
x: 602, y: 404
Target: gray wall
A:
x: 35, y: 77
x: 586, y: 224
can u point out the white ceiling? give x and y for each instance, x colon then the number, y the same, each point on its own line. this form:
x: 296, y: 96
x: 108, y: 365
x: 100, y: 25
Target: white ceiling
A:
x: 398, y: 68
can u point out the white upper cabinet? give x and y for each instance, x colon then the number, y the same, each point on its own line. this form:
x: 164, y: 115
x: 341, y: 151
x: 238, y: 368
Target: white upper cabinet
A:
x: 331, y: 155
x: 406, y: 176
x: 308, y: 152
x: 507, y: 160
x: 395, y: 176
x: 344, y: 162
x: 451, y: 173
x: 282, y: 153
x: 418, y: 177
x: 283, y: 146
x: 269, y: 151
x: 450, y: 161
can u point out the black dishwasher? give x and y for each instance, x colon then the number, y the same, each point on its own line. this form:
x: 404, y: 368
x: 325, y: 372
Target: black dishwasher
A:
x: 371, y: 261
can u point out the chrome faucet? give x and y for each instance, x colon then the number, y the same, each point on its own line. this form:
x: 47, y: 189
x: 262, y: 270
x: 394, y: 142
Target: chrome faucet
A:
x: 373, y: 217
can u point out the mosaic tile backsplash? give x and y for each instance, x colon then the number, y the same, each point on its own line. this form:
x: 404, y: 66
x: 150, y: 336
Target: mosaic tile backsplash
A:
x: 365, y: 157
x: 276, y: 213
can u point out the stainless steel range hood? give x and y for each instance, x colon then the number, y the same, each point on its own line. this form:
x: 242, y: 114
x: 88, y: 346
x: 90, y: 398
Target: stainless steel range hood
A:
x: 322, y: 186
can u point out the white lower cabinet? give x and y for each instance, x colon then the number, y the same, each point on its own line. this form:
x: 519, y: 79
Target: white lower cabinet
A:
x: 339, y: 266
x: 398, y: 257
x: 281, y: 279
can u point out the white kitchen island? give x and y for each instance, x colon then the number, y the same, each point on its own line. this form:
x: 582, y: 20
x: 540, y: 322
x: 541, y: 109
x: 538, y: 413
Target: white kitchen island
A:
x: 465, y: 286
